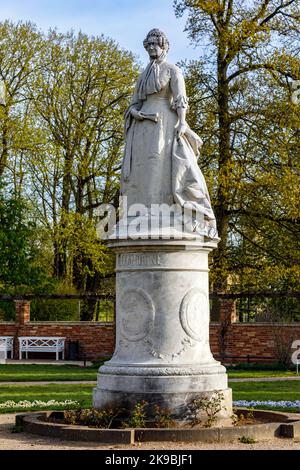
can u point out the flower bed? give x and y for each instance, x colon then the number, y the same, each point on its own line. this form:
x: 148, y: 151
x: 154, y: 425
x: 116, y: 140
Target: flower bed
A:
x: 10, y: 404
x: 269, y: 403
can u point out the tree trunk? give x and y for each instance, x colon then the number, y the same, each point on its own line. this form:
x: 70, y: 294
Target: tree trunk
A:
x: 60, y: 260
x: 4, y: 153
x: 60, y: 243
x: 225, y: 158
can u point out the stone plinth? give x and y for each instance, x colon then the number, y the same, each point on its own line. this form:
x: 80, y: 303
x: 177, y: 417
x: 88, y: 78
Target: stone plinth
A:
x: 162, y: 350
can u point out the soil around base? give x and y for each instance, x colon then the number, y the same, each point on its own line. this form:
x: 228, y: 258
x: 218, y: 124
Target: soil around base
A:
x: 266, y: 424
x: 244, y: 419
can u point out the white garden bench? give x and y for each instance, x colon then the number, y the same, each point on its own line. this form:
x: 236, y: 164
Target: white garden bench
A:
x: 54, y: 344
x: 6, y: 345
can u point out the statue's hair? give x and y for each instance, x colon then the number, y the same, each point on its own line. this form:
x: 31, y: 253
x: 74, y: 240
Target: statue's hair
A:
x: 161, y: 38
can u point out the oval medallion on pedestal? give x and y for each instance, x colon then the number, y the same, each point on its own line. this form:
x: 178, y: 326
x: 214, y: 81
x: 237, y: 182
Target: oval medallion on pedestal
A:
x: 137, y: 314
x: 194, y: 315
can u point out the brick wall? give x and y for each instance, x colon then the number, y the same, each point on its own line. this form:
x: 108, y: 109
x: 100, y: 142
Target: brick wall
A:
x: 97, y: 339
x: 254, y: 339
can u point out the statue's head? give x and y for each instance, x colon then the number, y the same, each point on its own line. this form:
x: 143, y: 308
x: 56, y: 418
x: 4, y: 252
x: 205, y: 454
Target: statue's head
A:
x: 156, y: 43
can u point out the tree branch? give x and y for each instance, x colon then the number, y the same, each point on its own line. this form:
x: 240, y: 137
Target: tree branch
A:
x: 229, y: 12
x: 276, y: 12
x: 213, y: 19
x: 253, y: 67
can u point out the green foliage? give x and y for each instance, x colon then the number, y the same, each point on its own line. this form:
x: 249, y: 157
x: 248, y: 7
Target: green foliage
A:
x: 79, y: 98
x: 287, y: 390
x: 240, y: 104
x: 163, y: 417
x: 234, y: 418
x: 247, y: 440
x: 54, y: 310
x: 7, y: 311
x: 255, y: 366
x: 108, y: 417
x: 18, y: 270
x: 46, y: 372
x: 209, y: 405
x: 60, y: 392
x: 137, y: 418
x: 105, y: 310
x: 61, y: 142
x: 245, y: 418
x: 92, y: 417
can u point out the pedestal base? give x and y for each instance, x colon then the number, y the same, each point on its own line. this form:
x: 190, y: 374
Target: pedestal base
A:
x: 162, y: 350
x: 178, y: 404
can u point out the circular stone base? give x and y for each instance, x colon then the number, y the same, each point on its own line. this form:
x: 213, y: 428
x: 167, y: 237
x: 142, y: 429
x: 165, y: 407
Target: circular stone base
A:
x: 274, y: 424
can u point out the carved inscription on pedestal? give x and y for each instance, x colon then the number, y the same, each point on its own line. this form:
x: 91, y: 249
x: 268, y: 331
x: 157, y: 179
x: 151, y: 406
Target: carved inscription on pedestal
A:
x: 138, y: 259
x: 137, y: 310
x: 194, y: 316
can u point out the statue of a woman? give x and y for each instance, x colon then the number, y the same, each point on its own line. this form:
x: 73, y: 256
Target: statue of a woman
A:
x: 160, y: 160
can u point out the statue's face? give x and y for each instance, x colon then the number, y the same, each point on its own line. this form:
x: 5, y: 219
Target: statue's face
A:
x: 153, y: 48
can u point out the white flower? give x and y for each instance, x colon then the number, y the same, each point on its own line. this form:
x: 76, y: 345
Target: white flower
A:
x: 30, y: 404
x: 275, y: 404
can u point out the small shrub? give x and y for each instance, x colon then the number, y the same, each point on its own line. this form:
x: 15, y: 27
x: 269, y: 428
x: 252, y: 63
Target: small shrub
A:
x: 137, y: 418
x: 247, y: 440
x: 210, y: 405
x: 96, y: 418
x: 71, y: 416
x: 162, y: 417
x: 234, y: 418
x: 250, y: 414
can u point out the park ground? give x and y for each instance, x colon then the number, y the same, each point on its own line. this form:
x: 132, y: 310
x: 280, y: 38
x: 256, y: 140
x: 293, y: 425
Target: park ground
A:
x: 279, y: 385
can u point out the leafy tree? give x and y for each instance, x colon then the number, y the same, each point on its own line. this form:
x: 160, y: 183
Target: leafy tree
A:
x: 21, y: 46
x: 61, y: 138
x: 80, y: 95
x: 17, y: 254
x: 241, y: 106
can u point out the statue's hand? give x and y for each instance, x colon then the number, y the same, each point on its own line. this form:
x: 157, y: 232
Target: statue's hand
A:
x: 181, y: 129
x: 136, y: 114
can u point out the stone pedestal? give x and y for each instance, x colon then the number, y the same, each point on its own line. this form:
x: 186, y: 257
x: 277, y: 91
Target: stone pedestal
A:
x: 162, y: 350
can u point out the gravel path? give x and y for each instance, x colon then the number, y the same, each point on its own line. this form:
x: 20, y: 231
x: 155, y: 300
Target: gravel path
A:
x: 24, y: 441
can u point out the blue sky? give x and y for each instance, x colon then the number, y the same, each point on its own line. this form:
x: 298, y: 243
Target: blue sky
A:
x: 126, y: 21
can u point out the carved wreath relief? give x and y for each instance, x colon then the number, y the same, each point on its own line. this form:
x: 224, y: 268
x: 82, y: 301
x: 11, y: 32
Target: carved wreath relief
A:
x: 193, y: 314
x: 138, y: 314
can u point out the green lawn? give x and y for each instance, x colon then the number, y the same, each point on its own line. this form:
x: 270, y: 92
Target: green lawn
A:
x: 47, y: 372
x: 58, y: 392
x: 264, y: 391
x: 285, y: 390
x: 261, y: 373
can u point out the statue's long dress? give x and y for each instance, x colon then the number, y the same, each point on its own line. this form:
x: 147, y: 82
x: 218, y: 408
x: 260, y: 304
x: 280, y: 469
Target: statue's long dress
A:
x: 157, y: 168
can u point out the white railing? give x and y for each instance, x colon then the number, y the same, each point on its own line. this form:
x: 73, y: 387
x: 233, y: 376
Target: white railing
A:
x: 42, y: 344
x: 6, y: 345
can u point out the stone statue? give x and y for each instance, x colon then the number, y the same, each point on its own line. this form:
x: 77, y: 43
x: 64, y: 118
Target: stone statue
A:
x: 162, y: 352
x: 160, y: 160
